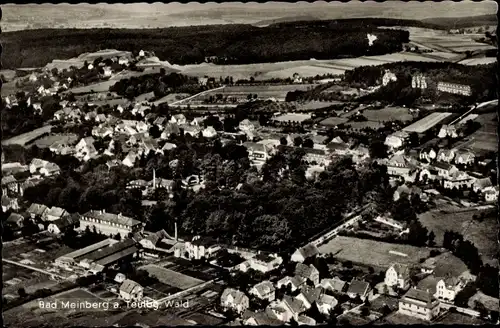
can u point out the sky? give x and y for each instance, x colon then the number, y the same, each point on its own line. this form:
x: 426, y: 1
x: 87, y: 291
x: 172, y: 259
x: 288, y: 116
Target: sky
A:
x: 141, y: 15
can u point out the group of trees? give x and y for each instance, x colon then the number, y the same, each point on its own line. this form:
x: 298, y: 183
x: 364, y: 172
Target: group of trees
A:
x: 160, y: 83
x: 228, y: 44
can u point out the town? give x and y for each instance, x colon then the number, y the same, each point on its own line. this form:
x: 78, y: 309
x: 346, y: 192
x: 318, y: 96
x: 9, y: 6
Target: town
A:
x: 139, y: 192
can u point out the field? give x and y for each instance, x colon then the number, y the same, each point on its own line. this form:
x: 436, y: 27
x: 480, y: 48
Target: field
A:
x: 486, y: 139
x: 315, y: 105
x: 96, y: 87
x: 426, y: 123
x: 25, y: 138
x: 366, y: 124
x: 388, y: 114
x: 171, y: 98
x: 478, y: 61
x: 262, y: 91
x: 171, y: 278
x: 481, y: 234
x: 399, y: 319
x: 305, y: 68
x: 293, y: 117
x: 333, y: 121
x: 372, y: 253
x: 47, y: 141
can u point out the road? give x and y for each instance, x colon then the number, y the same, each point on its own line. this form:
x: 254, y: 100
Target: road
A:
x: 34, y: 269
x: 478, y: 106
x: 196, y: 95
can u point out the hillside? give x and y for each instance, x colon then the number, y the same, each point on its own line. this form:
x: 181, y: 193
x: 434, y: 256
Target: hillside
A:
x: 462, y: 22
x: 229, y: 44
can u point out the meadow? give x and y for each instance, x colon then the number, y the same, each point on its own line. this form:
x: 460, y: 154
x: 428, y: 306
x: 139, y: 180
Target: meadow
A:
x: 27, y: 137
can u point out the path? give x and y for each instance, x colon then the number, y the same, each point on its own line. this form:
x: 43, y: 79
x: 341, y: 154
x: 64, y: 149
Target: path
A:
x: 34, y: 269
x: 196, y: 95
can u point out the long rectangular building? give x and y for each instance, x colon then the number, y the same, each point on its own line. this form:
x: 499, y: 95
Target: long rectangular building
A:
x: 71, y: 258
x: 427, y: 122
x: 110, y: 224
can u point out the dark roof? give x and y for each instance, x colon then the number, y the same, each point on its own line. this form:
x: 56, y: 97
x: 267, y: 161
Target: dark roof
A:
x: 67, y: 221
x: 443, y: 165
x: 358, y: 287
x: 107, y: 251
x: 263, y: 258
x: 308, y: 250
x: 419, y: 295
x: 311, y: 294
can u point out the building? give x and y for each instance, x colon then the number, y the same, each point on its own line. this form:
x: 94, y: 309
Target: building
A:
x: 179, y: 119
x: 264, y: 290
x: 37, y: 210
x: 445, y: 170
x: 388, y: 77
x: 150, y: 241
x: 458, y: 179
x: 54, y: 214
x: 448, y: 131
x: 458, y: 89
x: 428, y: 154
x: 64, y: 224
x: 308, y: 295
x: 326, y: 304
x: 235, y: 300
x: 199, y: 248
x: 265, y: 263
x: 85, y: 149
x: 303, y: 253
x: 447, y: 288
x: 317, y: 156
x: 73, y: 258
x: 419, y: 304
x: 257, y: 153
x: 209, y: 132
x: 294, y: 282
x: 9, y: 203
x: 15, y: 221
x: 418, y: 81
x: 109, y: 223
x: 358, y: 288
x: 396, y: 140
x: 482, y: 185
x: 131, y: 291
x: 335, y: 284
x: 491, y: 195
x: 308, y: 272
x: 9, y: 185
x: 251, y: 318
x: 464, y: 157
x: 398, y: 275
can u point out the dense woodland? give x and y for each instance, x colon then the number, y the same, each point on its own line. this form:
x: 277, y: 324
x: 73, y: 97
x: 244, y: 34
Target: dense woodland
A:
x: 229, y: 44
x: 159, y: 83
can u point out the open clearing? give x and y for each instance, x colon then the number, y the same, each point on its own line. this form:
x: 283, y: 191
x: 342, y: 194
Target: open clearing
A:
x: 481, y: 234
x: 478, y: 61
x: 25, y: 138
x: 486, y: 139
x: 49, y: 140
x: 96, y: 87
x: 366, y: 124
x: 262, y: 91
x: 171, y: 278
x: 371, y: 252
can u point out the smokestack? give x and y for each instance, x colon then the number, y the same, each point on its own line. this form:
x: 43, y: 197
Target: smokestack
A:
x: 175, y: 232
x: 154, y: 179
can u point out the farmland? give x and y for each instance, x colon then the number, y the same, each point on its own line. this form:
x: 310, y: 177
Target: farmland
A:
x: 372, y: 253
x: 333, y: 121
x: 47, y: 141
x: 485, y: 139
x: 366, y: 124
x: 481, y: 234
x: 27, y: 137
x: 478, y: 61
x: 96, y: 87
x: 427, y: 122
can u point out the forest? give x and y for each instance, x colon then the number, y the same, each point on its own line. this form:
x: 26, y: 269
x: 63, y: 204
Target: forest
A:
x: 230, y: 44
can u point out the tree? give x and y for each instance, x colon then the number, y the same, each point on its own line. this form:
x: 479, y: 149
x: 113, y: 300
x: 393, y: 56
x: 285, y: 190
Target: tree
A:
x: 308, y: 143
x: 22, y: 292
x: 283, y: 141
x: 378, y: 149
x: 413, y: 139
x: 430, y: 239
x: 297, y: 142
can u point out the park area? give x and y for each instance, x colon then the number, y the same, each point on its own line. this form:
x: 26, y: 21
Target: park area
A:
x: 482, y: 233
x: 372, y: 253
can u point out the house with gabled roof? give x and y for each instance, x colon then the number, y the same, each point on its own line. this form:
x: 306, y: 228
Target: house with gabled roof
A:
x: 305, y: 252
x: 64, y: 223
x: 15, y: 220
x: 54, y: 213
x: 170, y: 129
x: 481, y: 185
x: 160, y: 121
x: 445, y: 170
x: 304, y: 320
x: 445, y: 155
x: 465, y: 157
x: 131, y: 290
x: 334, y: 284
x: 234, y: 299
x: 251, y: 318
x: 150, y: 241
x: 179, y: 119
x: 427, y: 153
x: 264, y: 290
x: 198, y: 121
x: 130, y: 159
x: 491, y: 195
x: 293, y: 306
x: 308, y: 272
x: 398, y: 275
x: 85, y: 149
x: 265, y: 262
x: 109, y: 223
x: 358, y: 288
x: 37, y: 210
x: 10, y: 184
x: 308, y: 295
x: 9, y: 203
x: 294, y: 282
x: 326, y: 303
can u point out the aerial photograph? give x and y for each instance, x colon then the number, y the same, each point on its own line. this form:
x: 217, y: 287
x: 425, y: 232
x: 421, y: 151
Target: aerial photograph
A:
x: 247, y: 164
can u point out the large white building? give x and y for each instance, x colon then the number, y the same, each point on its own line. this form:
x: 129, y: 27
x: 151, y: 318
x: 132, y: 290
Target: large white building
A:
x: 109, y: 223
x: 447, y: 288
x: 419, y: 304
x: 398, y: 275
